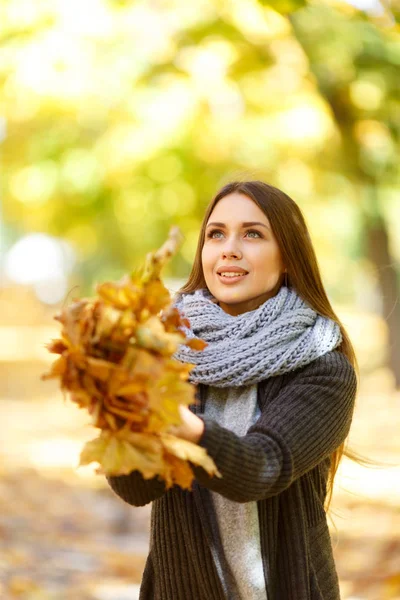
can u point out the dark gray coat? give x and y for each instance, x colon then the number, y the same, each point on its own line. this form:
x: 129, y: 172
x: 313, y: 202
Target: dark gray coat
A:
x: 282, y: 463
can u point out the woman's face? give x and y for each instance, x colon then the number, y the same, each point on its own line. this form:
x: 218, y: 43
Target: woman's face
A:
x: 231, y: 243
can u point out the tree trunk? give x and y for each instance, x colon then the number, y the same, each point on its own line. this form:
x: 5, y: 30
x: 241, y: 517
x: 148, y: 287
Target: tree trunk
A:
x: 377, y: 247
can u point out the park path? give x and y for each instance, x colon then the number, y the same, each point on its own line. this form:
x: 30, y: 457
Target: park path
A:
x: 64, y: 535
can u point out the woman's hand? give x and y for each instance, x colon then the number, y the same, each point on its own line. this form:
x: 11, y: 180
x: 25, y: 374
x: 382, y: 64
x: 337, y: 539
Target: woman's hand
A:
x: 191, y: 428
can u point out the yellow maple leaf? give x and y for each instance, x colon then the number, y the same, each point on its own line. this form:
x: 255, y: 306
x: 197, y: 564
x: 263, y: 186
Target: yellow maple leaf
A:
x: 117, y: 456
x: 189, y: 451
x: 152, y: 335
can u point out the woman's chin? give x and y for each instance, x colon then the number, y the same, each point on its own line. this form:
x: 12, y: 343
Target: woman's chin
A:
x: 229, y: 296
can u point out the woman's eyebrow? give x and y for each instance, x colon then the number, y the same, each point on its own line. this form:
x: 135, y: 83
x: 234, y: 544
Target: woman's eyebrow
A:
x: 246, y: 224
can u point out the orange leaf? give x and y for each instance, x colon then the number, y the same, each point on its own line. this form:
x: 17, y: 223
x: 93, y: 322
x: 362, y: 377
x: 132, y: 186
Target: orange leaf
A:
x: 196, y: 344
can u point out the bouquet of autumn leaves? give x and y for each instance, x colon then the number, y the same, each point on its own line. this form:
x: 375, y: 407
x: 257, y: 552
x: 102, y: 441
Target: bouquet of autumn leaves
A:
x: 115, y: 360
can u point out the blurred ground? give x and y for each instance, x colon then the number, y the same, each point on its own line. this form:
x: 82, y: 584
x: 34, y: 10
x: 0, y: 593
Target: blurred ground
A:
x: 64, y: 535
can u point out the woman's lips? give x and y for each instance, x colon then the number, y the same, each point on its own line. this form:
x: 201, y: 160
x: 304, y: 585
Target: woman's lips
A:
x: 229, y: 280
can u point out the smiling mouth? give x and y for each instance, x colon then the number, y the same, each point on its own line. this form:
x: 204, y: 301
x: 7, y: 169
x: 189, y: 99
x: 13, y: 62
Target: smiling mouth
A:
x: 231, y: 278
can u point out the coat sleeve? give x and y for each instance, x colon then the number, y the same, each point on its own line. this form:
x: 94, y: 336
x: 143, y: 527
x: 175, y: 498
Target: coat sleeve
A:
x: 307, y: 421
x: 135, y: 489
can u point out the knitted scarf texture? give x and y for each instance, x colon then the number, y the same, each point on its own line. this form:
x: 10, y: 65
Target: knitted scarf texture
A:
x: 282, y: 334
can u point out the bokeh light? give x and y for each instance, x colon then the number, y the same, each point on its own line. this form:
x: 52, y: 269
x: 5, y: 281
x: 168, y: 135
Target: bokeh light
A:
x: 42, y: 261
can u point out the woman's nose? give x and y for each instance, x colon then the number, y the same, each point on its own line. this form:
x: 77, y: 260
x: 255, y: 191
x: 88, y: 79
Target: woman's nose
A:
x: 235, y: 252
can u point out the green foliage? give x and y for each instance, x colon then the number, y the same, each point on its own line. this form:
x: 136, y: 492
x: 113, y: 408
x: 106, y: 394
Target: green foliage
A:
x: 284, y: 7
x: 356, y: 66
x: 128, y: 119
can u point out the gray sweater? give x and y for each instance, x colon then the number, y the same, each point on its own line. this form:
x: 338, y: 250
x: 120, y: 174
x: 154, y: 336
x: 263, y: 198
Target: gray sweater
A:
x: 236, y: 408
x: 281, y: 463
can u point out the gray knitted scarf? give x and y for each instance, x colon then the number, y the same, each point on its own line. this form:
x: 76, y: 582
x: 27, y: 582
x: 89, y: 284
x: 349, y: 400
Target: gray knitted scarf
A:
x: 281, y: 335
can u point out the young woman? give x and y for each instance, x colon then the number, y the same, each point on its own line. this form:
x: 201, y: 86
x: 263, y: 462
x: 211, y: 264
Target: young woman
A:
x: 277, y: 386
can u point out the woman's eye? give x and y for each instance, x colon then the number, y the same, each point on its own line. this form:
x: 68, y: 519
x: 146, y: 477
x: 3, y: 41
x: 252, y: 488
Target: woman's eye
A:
x: 211, y: 233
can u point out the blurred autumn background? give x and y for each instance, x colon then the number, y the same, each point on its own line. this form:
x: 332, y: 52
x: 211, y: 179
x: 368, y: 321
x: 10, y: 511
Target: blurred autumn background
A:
x: 121, y: 118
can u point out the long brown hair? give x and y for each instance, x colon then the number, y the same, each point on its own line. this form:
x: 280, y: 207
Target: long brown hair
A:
x: 303, y: 274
